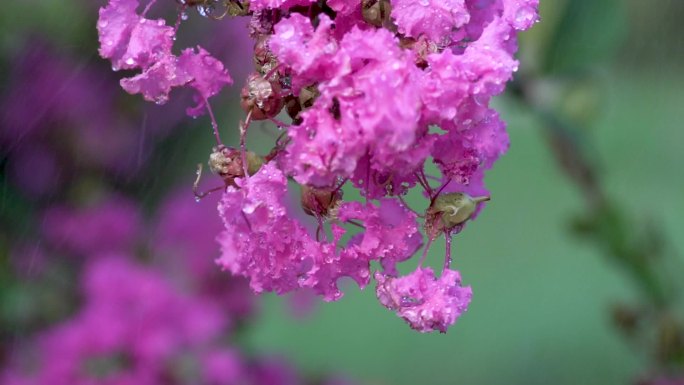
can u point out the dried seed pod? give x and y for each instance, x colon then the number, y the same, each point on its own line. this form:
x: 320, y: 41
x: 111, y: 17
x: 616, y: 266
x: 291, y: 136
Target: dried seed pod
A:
x: 261, y: 97
x: 320, y: 202
x: 227, y: 163
x: 296, y: 104
x: 264, y: 60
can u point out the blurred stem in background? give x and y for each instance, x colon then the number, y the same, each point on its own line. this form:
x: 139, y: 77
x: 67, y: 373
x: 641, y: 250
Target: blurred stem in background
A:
x: 581, y: 35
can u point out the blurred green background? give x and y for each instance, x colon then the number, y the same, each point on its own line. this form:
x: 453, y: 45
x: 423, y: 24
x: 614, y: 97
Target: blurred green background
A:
x: 542, y: 296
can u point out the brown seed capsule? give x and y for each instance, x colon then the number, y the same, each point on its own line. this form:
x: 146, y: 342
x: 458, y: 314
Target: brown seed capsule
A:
x: 296, y: 104
x: 227, y: 163
x: 261, y: 97
x: 264, y: 60
x: 449, y: 211
x: 319, y: 202
x: 376, y: 12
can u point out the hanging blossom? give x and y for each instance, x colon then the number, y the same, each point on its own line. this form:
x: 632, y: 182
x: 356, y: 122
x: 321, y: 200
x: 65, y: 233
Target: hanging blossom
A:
x: 373, y: 90
x: 133, y: 42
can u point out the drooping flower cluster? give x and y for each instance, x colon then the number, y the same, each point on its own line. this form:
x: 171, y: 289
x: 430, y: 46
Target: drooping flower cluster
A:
x: 131, y: 41
x: 374, y: 89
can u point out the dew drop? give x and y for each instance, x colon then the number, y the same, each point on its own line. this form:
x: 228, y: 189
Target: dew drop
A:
x: 524, y: 17
x: 161, y: 100
x: 407, y: 301
x: 480, y: 99
x: 205, y: 10
x: 287, y: 32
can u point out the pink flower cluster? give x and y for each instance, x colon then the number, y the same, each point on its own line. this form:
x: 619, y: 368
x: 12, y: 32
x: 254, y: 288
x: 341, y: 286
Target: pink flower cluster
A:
x: 136, y: 328
x: 131, y: 41
x: 375, y: 89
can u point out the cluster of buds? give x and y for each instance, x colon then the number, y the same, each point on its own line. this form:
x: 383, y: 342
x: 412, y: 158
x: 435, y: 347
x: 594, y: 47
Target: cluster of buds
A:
x: 374, y: 90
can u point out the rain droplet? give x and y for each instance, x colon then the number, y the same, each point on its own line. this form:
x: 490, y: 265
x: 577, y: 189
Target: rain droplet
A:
x: 524, y: 17
x: 480, y: 99
x: 287, y: 32
x: 407, y: 301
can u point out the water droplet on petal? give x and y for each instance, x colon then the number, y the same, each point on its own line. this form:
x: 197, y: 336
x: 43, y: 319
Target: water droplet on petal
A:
x: 287, y: 32
x: 525, y: 16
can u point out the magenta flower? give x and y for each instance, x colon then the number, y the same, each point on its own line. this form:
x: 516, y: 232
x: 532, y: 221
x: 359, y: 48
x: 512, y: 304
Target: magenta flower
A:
x: 290, y: 259
x: 131, y: 41
x: 113, y: 225
x: 425, y: 302
x: 375, y: 90
x: 134, y: 328
x: 436, y: 19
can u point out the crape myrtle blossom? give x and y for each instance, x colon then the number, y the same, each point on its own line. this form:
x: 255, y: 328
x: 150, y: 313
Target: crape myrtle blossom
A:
x: 291, y: 258
x: 131, y: 41
x: 374, y: 90
x: 425, y: 302
x: 136, y: 327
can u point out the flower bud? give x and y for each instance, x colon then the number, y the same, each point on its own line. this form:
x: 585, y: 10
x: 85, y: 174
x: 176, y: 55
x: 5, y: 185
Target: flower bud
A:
x: 449, y: 211
x: 320, y: 202
x: 227, y: 163
x: 261, y: 97
x: 376, y: 12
